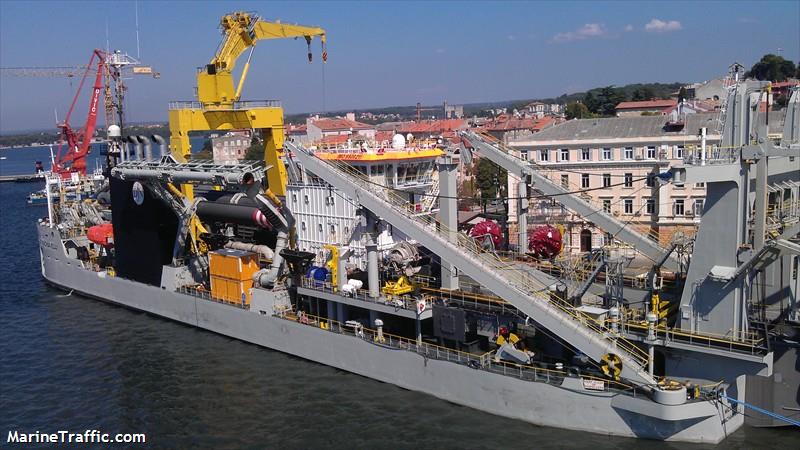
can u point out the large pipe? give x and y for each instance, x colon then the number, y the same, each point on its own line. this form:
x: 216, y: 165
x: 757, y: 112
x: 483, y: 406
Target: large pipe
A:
x: 137, y: 149
x: 232, y: 213
x: 148, y: 148
x: 263, y: 250
x: 177, y: 176
x: 163, y: 150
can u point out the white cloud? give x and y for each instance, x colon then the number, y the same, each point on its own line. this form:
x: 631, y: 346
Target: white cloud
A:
x: 660, y: 26
x: 590, y: 30
x: 628, y: 28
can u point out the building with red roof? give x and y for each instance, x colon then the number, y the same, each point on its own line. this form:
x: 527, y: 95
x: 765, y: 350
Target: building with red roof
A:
x: 317, y: 129
x: 632, y: 109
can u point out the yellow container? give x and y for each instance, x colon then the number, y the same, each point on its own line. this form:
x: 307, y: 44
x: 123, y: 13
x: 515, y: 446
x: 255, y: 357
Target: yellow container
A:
x: 231, y: 290
x: 232, y: 264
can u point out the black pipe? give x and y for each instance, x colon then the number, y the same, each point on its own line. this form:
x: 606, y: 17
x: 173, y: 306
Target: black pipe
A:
x: 231, y: 213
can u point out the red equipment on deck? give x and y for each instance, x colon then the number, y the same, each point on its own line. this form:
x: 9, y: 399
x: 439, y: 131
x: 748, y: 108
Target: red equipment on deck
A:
x: 545, y: 242
x: 487, y: 227
x: 78, y: 145
x: 102, y: 234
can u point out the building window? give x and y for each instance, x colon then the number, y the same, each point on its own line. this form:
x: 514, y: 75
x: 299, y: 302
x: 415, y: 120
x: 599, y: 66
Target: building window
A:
x: 699, y: 185
x: 608, y: 239
x: 650, y: 180
x: 606, y: 180
x: 679, y: 152
x: 628, y: 152
x: 651, y: 152
x: 565, y: 181
x: 628, y: 206
x: 650, y: 206
x: 678, y: 207
x: 628, y: 180
x: 607, y: 154
x: 586, y: 154
x: 564, y: 154
x: 607, y: 205
x: 698, y: 207
x: 544, y: 155
x: 585, y: 180
x: 523, y: 155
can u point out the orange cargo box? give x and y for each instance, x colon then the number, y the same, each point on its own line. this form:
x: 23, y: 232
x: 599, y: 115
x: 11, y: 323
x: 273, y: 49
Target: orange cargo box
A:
x: 231, y: 290
x: 232, y: 264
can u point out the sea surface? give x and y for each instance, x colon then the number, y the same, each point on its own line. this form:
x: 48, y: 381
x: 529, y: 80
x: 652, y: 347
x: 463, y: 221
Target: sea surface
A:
x: 71, y: 363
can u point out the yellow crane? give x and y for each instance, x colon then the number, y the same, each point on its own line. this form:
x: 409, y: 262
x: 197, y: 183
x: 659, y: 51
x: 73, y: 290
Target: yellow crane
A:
x: 219, y: 106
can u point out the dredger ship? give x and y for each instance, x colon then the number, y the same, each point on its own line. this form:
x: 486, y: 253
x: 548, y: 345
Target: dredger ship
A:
x: 353, y: 258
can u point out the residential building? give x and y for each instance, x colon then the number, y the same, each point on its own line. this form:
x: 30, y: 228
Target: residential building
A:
x: 507, y: 128
x: 230, y: 147
x: 616, y: 159
x: 646, y: 107
x: 319, y: 128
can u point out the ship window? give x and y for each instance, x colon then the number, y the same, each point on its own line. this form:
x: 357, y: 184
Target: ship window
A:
x: 305, y: 199
x: 346, y: 230
x: 303, y: 226
x: 319, y: 227
x: 333, y: 229
x: 294, y: 198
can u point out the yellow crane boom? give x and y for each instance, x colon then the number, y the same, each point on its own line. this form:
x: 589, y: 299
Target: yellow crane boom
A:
x: 219, y: 106
x: 242, y: 30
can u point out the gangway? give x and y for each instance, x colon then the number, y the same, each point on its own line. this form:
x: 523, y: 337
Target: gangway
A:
x: 574, y: 202
x: 526, y: 293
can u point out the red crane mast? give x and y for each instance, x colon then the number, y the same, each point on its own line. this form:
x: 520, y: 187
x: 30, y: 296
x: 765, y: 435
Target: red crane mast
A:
x: 78, y: 144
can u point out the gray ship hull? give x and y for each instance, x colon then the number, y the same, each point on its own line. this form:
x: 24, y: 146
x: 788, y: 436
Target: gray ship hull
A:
x: 568, y: 406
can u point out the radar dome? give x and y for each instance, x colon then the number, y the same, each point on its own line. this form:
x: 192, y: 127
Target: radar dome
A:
x: 114, y: 131
x: 398, y: 142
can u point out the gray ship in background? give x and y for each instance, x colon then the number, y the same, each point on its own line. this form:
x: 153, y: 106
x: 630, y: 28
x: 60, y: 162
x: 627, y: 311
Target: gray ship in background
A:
x: 322, y: 255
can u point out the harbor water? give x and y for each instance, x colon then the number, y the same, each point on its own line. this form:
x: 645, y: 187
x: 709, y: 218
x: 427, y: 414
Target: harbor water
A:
x: 72, y: 363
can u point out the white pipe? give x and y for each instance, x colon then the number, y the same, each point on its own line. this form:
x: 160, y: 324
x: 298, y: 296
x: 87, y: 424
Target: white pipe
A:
x: 263, y: 250
x: 703, y: 132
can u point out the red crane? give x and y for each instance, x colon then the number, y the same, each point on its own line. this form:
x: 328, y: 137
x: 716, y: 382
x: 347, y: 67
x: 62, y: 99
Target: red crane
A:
x: 78, y: 144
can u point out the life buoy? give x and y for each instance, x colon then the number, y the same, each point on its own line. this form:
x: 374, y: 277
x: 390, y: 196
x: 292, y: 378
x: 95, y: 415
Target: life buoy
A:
x: 611, y: 365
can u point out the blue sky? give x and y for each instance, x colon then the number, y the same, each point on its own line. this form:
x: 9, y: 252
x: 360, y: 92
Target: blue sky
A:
x: 391, y: 53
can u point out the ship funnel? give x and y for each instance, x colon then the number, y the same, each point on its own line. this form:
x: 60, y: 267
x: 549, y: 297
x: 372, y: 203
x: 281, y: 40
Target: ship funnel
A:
x: 136, y: 154
x: 162, y: 145
x: 148, y: 148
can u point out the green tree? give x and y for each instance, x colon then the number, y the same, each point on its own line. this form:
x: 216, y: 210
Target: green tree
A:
x: 490, y: 178
x: 772, y: 68
x: 682, y: 94
x: 609, y: 98
x: 577, y: 110
x: 256, y: 150
x: 592, y: 104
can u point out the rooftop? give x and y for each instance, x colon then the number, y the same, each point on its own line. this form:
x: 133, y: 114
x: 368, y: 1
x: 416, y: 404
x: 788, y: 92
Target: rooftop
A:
x: 621, y: 127
x: 340, y: 124
x: 648, y: 104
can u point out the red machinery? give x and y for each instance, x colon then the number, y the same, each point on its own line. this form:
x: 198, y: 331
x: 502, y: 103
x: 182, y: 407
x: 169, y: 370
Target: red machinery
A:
x: 490, y: 229
x: 545, y: 242
x: 102, y: 234
x: 78, y: 144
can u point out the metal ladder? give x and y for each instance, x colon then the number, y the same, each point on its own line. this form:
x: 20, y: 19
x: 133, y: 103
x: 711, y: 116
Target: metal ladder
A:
x: 431, y: 196
x: 521, y: 288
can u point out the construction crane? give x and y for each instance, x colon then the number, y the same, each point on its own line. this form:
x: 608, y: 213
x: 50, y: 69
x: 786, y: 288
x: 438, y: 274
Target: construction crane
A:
x: 106, y: 66
x: 78, y: 144
x: 219, y: 106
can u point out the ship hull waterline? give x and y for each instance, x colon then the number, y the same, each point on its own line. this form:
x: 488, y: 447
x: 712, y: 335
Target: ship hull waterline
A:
x: 568, y: 406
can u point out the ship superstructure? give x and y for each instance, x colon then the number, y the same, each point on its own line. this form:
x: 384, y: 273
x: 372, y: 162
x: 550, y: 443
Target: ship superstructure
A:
x: 334, y: 255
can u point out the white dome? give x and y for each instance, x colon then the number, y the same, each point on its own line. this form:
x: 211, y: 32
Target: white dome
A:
x: 114, y: 131
x: 398, y: 142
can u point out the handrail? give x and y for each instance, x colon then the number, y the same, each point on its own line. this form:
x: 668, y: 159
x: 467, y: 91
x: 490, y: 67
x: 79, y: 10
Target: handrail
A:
x: 517, y: 280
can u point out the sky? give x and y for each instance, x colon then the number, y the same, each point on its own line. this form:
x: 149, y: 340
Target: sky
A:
x: 388, y: 53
